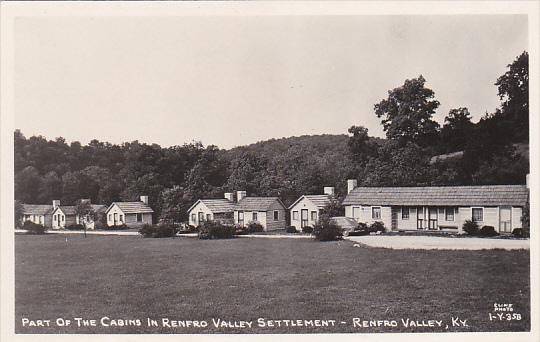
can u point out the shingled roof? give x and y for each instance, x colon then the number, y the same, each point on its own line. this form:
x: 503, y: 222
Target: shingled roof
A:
x: 220, y: 205
x: 132, y: 207
x: 482, y: 195
x: 320, y: 201
x: 68, y: 209
x: 256, y: 203
x: 36, y: 209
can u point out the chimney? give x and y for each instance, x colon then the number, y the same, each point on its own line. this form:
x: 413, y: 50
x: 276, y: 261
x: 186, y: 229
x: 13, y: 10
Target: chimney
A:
x: 144, y: 199
x: 329, y: 190
x: 240, y: 195
x: 229, y: 196
x: 55, y: 204
x: 351, y: 184
x: 527, y: 181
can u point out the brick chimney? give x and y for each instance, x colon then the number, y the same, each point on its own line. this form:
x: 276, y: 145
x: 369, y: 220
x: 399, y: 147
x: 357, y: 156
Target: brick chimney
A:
x: 229, y: 196
x: 55, y: 204
x: 329, y: 190
x: 240, y: 195
x: 144, y: 199
x: 351, y: 184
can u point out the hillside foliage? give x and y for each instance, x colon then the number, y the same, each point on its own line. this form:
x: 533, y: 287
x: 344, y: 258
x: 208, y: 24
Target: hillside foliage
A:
x: 175, y: 177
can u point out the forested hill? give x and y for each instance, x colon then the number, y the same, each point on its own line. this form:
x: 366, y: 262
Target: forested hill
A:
x: 175, y: 177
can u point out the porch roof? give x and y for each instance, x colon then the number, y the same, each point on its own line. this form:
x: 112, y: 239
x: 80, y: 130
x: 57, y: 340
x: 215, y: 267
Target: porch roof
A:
x: 481, y: 195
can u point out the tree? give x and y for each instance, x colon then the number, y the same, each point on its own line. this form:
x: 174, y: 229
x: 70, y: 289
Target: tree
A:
x: 246, y: 173
x: 84, y: 211
x: 27, y: 185
x: 397, y: 165
x: 456, y: 130
x: 513, y: 90
x: 360, y: 144
x: 51, y: 187
x: 406, y: 113
x: 174, y: 205
x: 18, y: 213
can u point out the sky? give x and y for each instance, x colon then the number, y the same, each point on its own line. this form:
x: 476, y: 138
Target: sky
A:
x: 232, y: 81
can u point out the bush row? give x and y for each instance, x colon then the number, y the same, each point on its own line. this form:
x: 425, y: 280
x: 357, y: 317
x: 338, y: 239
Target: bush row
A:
x: 34, y: 228
x: 158, y: 230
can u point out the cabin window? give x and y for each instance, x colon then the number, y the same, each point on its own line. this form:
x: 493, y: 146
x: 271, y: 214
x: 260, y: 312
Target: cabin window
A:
x: 54, y: 218
x: 313, y: 216
x: 139, y: 217
x: 276, y: 215
x: 208, y: 217
x: 193, y: 217
x: 449, y: 214
x: 356, y: 212
x: 405, y: 213
x: 62, y: 218
x: 376, y: 213
x: 295, y: 215
x: 478, y: 214
x: 121, y: 218
x: 110, y: 217
x: 254, y: 216
x: 241, y: 218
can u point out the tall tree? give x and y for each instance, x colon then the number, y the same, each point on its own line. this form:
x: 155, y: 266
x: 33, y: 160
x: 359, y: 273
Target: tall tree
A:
x: 456, y: 130
x: 407, y: 113
x: 513, y: 89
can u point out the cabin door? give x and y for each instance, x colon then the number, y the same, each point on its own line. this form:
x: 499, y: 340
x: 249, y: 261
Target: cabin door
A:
x: 433, y: 218
x: 304, y: 218
x: 395, y: 212
x: 505, y: 220
x: 201, y: 218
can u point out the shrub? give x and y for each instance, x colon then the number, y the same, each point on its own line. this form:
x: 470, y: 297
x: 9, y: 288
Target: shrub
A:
x: 158, y: 231
x: 120, y: 227
x: 146, y: 230
x: 33, y: 228
x: 215, y: 230
x: 470, y: 227
x: 254, y: 227
x: 519, y: 232
x: 488, y: 231
x: 307, y: 229
x: 75, y: 227
x: 377, y: 226
x: 291, y: 229
x: 326, y: 230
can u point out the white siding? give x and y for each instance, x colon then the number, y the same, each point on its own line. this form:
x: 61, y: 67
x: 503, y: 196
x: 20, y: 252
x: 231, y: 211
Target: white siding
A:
x: 119, y: 214
x: 303, y: 204
x: 517, y: 213
x: 199, y: 208
x: 248, y: 217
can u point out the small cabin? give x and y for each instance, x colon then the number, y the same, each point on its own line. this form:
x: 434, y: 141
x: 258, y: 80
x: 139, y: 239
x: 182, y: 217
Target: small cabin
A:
x: 306, y: 210
x: 438, y: 208
x: 267, y: 211
x: 132, y: 214
x: 37, y: 213
x: 220, y: 210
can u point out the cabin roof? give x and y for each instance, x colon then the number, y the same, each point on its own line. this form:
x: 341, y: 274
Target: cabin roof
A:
x: 132, y: 207
x: 481, y: 195
x: 218, y: 205
x: 320, y: 201
x: 36, y: 209
x: 257, y: 203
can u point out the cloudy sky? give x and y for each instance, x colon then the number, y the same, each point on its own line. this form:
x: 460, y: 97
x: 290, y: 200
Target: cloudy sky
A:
x: 236, y: 80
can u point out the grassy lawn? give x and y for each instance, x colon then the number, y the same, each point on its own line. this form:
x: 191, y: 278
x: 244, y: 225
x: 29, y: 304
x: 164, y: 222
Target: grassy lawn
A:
x: 129, y: 277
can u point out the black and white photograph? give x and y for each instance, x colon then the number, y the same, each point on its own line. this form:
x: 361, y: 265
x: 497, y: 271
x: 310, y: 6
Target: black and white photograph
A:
x: 293, y: 169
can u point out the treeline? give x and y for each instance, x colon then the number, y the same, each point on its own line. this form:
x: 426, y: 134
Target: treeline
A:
x: 176, y: 176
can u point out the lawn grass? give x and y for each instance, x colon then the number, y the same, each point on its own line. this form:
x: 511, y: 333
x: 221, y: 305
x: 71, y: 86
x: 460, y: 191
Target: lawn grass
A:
x: 129, y: 277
